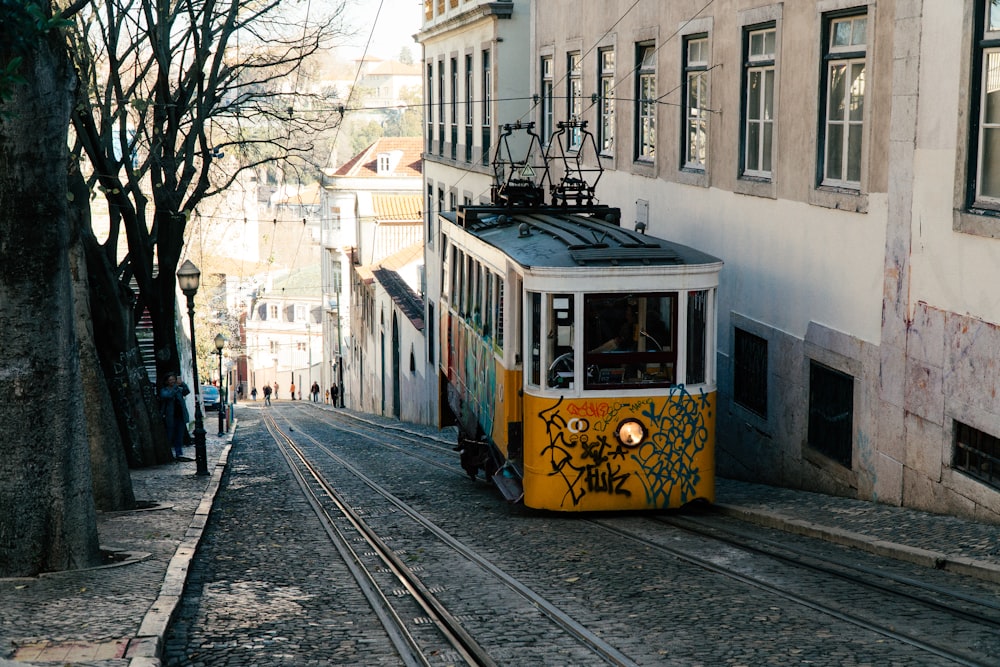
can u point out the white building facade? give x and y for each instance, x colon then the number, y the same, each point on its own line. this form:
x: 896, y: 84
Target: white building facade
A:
x: 475, y: 56
x: 372, y: 209
x: 838, y: 156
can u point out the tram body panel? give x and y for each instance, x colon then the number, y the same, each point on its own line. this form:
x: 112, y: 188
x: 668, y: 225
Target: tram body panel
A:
x: 574, y: 462
x: 481, y: 392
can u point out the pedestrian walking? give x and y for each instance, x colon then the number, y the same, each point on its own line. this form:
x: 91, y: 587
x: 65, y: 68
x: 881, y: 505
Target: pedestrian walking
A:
x: 253, y: 393
x: 275, y: 390
x: 267, y: 394
x: 173, y: 407
x: 314, y: 390
x: 293, y: 391
x: 335, y: 392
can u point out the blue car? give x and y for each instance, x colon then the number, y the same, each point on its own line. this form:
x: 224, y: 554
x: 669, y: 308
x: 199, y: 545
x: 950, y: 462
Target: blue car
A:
x: 209, y: 398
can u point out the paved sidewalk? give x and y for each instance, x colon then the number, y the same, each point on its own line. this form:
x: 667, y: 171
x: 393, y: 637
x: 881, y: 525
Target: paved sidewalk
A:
x: 117, y: 616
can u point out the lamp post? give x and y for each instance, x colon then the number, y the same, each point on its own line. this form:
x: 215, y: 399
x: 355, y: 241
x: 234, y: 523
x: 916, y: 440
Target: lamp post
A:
x: 188, y: 277
x: 220, y: 342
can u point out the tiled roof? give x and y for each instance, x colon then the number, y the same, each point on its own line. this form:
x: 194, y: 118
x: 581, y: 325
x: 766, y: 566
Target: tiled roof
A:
x: 365, y: 163
x: 397, y: 208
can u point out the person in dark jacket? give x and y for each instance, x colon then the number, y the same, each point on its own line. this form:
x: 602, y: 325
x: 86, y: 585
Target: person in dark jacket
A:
x: 173, y: 407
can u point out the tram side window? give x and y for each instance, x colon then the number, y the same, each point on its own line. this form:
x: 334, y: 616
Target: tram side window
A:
x: 630, y: 340
x: 534, y: 343
x: 697, y: 331
x: 559, y: 341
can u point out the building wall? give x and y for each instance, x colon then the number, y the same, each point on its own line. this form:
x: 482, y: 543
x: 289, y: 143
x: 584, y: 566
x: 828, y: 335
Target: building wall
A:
x: 881, y: 281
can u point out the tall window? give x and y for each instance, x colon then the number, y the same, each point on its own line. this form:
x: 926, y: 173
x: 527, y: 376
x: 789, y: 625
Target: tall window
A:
x: 454, y: 108
x: 440, y: 92
x: 487, y: 98
x: 431, y: 212
x: 468, y: 107
x: 574, y: 102
x: 845, y: 101
x: 645, y: 122
x: 430, y: 112
x: 758, y: 128
x: 696, y: 105
x: 984, y: 149
x: 606, y: 128
x: 546, y: 124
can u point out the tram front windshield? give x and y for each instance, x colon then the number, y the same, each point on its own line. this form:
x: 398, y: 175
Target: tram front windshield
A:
x: 629, y: 340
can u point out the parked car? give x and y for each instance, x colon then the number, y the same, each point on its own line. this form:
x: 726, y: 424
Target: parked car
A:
x: 209, y: 398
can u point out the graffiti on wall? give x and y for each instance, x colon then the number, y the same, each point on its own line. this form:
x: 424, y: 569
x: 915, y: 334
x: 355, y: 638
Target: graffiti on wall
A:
x: 584, y: 453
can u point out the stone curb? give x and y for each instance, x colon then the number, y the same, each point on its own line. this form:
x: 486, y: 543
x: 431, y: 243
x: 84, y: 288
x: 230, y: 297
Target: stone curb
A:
x: 146, y: 648
x: 884, y: 548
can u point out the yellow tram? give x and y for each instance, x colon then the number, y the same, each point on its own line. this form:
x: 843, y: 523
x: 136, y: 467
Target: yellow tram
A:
x: 578, y: 355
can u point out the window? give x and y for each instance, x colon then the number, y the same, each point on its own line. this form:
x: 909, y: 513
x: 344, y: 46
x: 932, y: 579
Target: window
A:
x: 750, y: 372
x: 546, y: 122
x: 272, y: 312
x: 468, y: 108
x: 758, y: 125
x: 977, y: 454
x: 534, y: 342
x: 300, y: 313
x: 440, y: 100
x: 697, y: 337
x: 984, y: 149
x: 629, y: 341
x: 431, y: 212
x: 272, y: 346
x: 487, y: 98
x: 696, y: 105
x: 606, y: 128
x: 430, y: 112
x: 845, y: 101
x: 454, y: 108
x: 558, y: 358
x: 645, y: 93
x: 831, y: 412
x: 574, y: 101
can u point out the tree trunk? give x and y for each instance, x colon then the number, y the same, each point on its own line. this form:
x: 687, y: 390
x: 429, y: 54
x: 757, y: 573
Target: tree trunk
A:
x: 112, y: 483
x: 140, y: 426
x: 48, y: 520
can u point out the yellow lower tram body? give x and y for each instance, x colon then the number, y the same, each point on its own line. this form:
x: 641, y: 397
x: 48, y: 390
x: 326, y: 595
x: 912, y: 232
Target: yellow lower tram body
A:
x: 573, y: 459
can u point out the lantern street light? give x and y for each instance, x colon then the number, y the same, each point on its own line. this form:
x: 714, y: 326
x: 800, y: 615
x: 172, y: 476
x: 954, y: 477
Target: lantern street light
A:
x: 188, y: 277
x: 220, y: 342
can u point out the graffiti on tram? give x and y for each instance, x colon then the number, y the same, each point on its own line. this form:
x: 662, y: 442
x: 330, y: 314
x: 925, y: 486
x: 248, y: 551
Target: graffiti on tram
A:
x: 583, y: 451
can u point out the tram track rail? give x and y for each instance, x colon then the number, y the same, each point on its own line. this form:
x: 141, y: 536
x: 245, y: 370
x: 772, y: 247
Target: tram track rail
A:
x: 477, y: 655
x: 310, y: 479
x: 772, y: 550
x: 882, y: 628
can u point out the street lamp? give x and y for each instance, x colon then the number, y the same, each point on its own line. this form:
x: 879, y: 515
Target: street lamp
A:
x: 188, y: 277
x: 220, y: 342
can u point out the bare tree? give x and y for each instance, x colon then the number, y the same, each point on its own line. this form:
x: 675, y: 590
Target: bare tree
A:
x: 168, y: 88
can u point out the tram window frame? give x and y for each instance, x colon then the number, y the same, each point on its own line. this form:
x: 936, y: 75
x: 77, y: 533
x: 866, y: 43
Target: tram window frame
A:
x: 614, y: 359
x: 533, y: 313
x: 560, y: 325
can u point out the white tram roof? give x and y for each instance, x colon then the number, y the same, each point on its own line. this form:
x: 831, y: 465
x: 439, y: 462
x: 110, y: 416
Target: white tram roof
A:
x: 587, y: 236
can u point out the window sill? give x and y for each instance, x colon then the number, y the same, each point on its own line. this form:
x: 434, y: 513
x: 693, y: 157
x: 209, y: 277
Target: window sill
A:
x: 754, y: 186
x: 977, y: 222
x: 840, y: 199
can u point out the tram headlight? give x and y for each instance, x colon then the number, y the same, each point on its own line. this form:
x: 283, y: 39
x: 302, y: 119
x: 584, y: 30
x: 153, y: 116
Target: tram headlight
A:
x: 631, y: 432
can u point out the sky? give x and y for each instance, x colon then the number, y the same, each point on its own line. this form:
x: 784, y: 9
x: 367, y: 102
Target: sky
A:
x: 394, y: 28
